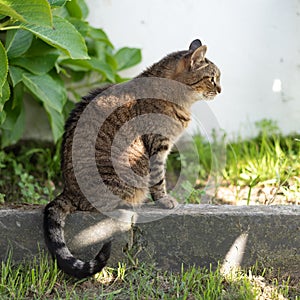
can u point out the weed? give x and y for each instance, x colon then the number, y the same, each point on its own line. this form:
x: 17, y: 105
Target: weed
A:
x: 28, y: 280
x: 40, y: 279
x: 29, y: 174
x: 267, y: 160
x: 264, y: 168
x: 191, y: 194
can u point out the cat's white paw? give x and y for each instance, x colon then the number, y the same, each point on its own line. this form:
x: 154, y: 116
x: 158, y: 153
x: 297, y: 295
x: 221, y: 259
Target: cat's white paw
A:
x: 167, y: 202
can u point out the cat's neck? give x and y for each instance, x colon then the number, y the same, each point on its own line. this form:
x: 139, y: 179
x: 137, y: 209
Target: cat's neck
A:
x: 163, y: 87
x: 165, y: 68
x: 159, y: 70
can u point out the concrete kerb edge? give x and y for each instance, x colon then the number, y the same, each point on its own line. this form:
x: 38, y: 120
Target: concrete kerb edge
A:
x: 192, y: 235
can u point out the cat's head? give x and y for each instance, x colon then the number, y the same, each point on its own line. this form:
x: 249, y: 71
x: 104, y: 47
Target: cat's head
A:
x: 196, y: 71
x: 190, y: 67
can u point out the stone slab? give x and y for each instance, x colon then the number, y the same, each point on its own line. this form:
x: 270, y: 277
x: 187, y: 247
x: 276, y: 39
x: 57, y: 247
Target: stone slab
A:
x: 231, y: 235
x: 190, y: 235
x: 21, y: 231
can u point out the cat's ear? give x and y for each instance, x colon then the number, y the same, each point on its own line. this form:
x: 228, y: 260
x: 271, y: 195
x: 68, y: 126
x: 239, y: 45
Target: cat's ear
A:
x: 198, y: 56
x: 193, y: 58
x: 195, y: 44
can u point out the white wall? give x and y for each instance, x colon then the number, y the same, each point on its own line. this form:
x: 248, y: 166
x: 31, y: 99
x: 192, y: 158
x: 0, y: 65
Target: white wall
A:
x: 252, y: 42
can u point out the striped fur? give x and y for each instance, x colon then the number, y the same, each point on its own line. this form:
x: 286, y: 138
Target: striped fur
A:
x: 146, y: 154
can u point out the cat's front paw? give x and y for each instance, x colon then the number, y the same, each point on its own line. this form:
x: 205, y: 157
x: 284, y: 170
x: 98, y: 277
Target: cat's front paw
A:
x: 167, y: 202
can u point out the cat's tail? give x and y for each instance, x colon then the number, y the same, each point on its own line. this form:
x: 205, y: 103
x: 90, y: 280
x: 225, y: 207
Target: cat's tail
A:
x: 54, y: 220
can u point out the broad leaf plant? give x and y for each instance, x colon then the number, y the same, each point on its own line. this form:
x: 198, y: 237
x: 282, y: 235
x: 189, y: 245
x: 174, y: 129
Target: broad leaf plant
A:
x: 50, y: 51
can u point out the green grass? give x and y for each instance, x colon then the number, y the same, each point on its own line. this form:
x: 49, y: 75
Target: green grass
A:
x: 269, y: 161
x: 27, y: 280
x: 30, y: 173
x: 41, y: 279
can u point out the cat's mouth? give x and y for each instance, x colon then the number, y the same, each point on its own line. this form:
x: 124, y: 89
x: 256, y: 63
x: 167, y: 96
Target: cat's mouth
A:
x: 205, y: 96
x: 210, y: 96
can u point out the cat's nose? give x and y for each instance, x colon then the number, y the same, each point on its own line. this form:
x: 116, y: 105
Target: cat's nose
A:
x: 219, y: 89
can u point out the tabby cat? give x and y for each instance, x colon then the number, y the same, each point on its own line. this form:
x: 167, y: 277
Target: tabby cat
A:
x: 146, y: 153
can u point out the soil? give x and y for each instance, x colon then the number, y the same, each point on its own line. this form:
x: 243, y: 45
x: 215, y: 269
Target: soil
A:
x: 261, y: 195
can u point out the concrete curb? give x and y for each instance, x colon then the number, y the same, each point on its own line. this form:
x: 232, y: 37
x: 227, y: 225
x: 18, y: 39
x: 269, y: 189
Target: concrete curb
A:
x: 190, y: 235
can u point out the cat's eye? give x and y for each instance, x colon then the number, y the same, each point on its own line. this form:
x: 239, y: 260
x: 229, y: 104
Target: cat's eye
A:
x: 212, y: 79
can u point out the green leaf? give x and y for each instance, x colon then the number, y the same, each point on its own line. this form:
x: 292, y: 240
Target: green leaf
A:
x: 57, y: 122
x: 3, y: 66
x: 99, y: 35
x: 37, y: 64
x: 100, y: 50
x: 5, y: 95
x: 39, y: 48
x: 30, y: 11
x: 92, y: 64
x: 128, y: 57
x: 55, y: 3
x: 17, y: 42
x: 120, y: 79
x: 2, y: 117
x: 64, y: 37
x: 15, y: 74
x: 77, y: 9
x: 69, y: 106
x: 13, y: 126
x: 111, y: 60
x: 77, y: 64
x: 103, y: 68
x: 82, y: 26
x: 48, y: 90
x: 61, y: 12
x: 13, y: 108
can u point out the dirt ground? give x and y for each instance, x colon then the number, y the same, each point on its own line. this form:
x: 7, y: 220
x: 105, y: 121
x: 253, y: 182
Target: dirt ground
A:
x: 262, y: 195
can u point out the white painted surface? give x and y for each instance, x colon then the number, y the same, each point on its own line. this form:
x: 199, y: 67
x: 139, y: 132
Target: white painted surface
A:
x: 255, y: 43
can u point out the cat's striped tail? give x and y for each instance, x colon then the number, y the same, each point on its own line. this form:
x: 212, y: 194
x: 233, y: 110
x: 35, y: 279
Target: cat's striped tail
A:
x: 54, y: 220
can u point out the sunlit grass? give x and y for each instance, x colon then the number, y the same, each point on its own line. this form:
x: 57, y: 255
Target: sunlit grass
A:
x: 41, y: 279
x: 267, y: 161
x: 25, y: 280
x: 30, y: 173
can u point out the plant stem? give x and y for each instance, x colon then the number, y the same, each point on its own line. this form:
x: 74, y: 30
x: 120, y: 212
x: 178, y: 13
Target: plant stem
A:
x: 9, y: 28
x: 249, y: 194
